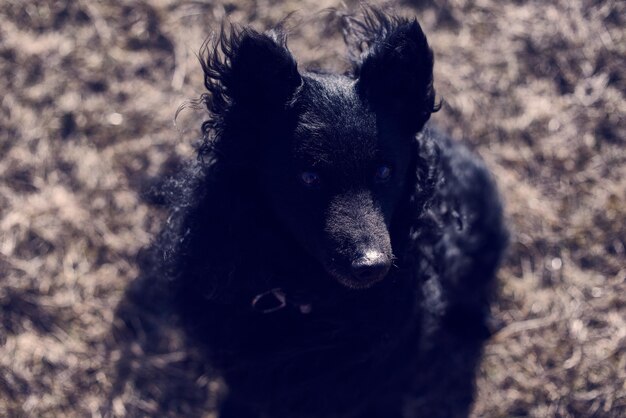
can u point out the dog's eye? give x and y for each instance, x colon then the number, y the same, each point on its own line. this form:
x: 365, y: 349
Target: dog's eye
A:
x: 310, y: 179
x: 382, y: 174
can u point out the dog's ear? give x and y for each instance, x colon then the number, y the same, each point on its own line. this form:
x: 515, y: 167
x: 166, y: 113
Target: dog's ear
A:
x: 245, y: 68
x: 393, y: 65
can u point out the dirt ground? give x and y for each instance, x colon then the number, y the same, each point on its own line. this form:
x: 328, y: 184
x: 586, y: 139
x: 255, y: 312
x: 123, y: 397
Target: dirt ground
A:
x: 88, y: 92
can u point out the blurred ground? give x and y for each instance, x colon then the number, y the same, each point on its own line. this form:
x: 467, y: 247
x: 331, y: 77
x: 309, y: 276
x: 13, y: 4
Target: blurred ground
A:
x: 88, y: 94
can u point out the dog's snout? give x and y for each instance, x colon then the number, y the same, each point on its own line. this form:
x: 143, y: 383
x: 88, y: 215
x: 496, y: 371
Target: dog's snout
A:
x: 372, y: 266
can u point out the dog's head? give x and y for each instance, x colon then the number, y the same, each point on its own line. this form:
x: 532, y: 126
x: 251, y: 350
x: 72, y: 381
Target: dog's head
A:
x: 333, y: 155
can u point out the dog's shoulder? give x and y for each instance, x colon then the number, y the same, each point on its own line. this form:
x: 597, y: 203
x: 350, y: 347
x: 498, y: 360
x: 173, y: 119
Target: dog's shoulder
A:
x: 467, y: 198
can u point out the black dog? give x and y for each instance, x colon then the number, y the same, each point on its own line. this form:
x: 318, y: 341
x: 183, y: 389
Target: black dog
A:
x: 333, y: 256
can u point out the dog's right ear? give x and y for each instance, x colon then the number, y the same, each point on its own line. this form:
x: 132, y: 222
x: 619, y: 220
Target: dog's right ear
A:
x: 245, y: 68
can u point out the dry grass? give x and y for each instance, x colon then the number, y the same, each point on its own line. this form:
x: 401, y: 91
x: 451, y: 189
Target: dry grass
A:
x: 88, y: 96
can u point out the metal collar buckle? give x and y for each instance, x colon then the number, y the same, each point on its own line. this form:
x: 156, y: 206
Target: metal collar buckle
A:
x: 274, y: 300
x: 270, y: 301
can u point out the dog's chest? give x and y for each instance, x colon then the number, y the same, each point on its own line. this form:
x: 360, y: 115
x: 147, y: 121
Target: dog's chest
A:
x: 338, y: 343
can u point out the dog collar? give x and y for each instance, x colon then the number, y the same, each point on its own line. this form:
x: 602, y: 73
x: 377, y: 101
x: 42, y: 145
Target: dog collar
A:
x: 276, y: 299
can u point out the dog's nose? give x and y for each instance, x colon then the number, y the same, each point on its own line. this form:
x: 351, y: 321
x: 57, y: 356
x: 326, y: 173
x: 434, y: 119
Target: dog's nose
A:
x: 374, y: 265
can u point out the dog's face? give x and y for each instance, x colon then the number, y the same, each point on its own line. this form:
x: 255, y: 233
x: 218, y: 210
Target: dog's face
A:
x: 335, y: 153
x: 337, y: 177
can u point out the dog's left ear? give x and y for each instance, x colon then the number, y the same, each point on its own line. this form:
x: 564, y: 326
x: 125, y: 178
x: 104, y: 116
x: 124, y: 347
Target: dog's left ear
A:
x: 395, y: 69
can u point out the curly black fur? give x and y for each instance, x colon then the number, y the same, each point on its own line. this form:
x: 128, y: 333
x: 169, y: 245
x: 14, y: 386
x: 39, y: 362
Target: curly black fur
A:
x: 245, y: 237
